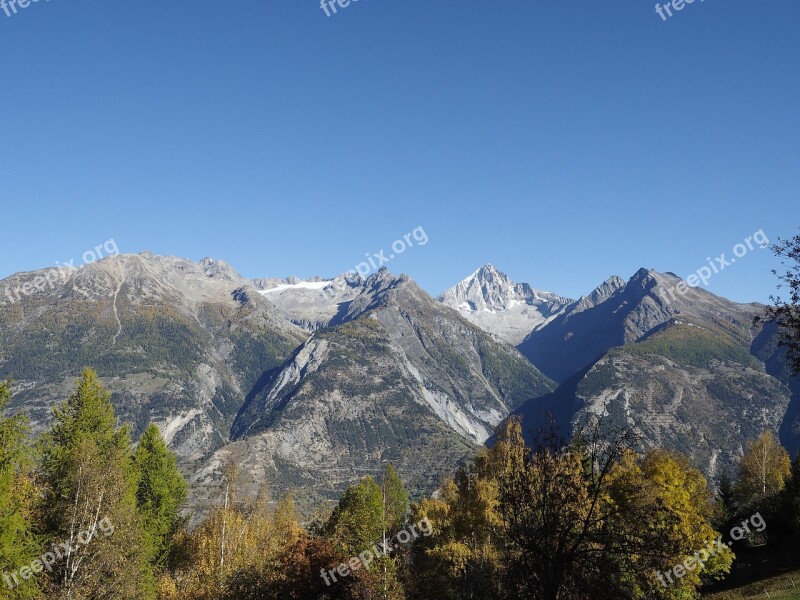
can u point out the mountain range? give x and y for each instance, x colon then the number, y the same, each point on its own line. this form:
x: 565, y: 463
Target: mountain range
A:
x: 310, y: 384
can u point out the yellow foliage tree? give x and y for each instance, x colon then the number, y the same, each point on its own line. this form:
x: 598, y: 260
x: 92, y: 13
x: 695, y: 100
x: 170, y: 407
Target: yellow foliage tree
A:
x: 763, y: 471
x: 236, y: 551
x: 586, y: 519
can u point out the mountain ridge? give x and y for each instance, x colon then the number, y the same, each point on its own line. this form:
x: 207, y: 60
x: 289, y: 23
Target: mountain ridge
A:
x: 307, y: 382
x: 219, y: 361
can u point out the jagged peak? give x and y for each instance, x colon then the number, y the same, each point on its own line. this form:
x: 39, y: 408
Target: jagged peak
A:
x: 219, y: 269
x: 384, y: 276
x: 488, y: 270
x: 645, y: 277
x: 489, y: 274
x: 601, y: 293
x: 608, y: 287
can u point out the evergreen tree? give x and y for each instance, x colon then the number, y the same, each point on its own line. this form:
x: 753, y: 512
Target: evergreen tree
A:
x: 18, y: 546
x: 87, y: 416
x: 726, y: 500
x: 90, y: 501
x: 161, y: 492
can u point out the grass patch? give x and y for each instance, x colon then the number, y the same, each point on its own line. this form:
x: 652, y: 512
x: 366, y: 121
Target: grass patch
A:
x: 782, y: 587
x: 693, y: 346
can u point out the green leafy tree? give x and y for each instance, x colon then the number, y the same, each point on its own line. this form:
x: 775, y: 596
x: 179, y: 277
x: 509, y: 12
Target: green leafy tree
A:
x: 18, y: 545
x: 358, y: 524
x: 161, y: 492
x: 90, y: 501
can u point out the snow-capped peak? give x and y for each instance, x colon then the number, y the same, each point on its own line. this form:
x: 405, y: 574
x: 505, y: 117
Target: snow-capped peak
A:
x: 491, y: 300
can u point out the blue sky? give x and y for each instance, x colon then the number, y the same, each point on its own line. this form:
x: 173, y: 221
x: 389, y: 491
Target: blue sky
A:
x: 563, y: 141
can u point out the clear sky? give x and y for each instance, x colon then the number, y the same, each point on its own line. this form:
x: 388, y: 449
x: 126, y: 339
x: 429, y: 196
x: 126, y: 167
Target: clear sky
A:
x: 563, y: 141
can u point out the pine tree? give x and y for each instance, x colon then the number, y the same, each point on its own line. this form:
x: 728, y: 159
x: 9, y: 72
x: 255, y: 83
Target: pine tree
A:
x: 87, y: 416
x: 160, y: 494
x: 90, y: 501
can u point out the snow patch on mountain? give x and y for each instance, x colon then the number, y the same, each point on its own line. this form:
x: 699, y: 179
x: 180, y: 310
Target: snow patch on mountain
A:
x: 301, y: 285
x: 311, y: 303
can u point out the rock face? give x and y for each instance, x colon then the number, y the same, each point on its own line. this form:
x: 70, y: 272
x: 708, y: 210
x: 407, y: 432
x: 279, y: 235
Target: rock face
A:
x: 401, y: 378
x: 489, y: 299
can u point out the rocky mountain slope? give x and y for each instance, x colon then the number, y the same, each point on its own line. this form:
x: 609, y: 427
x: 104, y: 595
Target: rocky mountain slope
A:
x: 686, y: 371
x: 492, y: 301
x: 310, y: 384
x: 317, y: 379
x: 619, y: 312
x: 178, y: 343
x: 400, y: 378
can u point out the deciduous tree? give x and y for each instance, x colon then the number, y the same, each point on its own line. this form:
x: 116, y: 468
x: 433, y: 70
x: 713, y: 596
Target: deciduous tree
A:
x: 763, y: 470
